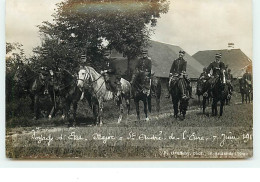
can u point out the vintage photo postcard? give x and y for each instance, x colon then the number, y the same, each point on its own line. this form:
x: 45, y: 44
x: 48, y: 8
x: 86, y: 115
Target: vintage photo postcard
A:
x: 129, y: 79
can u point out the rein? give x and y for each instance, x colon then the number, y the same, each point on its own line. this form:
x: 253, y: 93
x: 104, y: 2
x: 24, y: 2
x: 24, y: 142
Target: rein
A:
x: 92, y: 81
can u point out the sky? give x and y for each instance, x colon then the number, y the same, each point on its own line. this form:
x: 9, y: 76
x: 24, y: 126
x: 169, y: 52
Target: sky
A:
x: 194, y: 25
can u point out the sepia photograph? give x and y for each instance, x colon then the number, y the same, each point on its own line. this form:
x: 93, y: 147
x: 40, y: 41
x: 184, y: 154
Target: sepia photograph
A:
x: 129, y: 79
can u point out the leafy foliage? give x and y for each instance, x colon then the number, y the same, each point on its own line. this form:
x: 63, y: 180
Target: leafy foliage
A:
x: 82, y: 27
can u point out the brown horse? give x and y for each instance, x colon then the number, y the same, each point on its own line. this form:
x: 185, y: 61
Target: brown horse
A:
x: 141, y: 91
x: 176, y: 89
x: 219, y: 93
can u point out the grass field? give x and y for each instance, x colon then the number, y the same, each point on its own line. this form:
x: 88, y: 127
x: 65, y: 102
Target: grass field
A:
x: 198, y: 136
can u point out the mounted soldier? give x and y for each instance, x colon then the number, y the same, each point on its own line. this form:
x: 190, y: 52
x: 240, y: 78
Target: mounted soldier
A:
x: 109, y: 72
x: 229, y: 81
x: 46, y: 73
x: 178, y: 70
x: 215, y: 67
x: 248, y: 77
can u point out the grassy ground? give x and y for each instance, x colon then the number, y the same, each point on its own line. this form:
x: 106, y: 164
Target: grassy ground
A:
x: 198, y: 136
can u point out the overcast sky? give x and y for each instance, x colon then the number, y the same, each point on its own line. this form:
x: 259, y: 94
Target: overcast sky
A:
x: 193, y: 25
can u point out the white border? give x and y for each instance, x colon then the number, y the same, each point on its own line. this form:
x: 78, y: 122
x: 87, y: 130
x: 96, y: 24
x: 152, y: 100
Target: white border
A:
x: 254, y: 162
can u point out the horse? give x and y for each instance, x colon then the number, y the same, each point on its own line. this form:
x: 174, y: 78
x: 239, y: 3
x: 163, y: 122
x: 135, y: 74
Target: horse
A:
x: 219, y: 93
x: 201, y: 91
x: 156, y: 89
x: 88, y: 77
x: 141, y: 91
x: 244, y: 90
x: 64, y: 94
x: 177, y: 87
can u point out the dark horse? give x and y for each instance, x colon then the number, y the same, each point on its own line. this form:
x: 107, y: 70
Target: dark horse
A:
x: 141, y: 90
x: 219, y: 93
x: 244, y: 90
x: 33, y: 84
x: 177, y: 87
x: 65, y: 94
x: 202, y: 91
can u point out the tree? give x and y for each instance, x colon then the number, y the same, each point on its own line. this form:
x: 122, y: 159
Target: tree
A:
x: 14, y: 55
x: 80, y: 26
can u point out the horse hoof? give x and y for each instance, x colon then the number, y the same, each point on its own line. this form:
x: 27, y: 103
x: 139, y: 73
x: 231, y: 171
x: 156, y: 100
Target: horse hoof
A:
x: 63, y: 117
x: 147, y: 119
x: 49, y: 117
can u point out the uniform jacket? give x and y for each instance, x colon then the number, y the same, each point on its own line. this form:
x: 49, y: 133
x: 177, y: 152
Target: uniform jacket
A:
x: 178, y: 66
x: 144, y: 64
x: 215, y: 67
x: 110, y: 66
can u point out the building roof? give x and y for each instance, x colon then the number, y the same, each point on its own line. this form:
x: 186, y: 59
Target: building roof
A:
x: 162, y: 56
x: 237, y: 61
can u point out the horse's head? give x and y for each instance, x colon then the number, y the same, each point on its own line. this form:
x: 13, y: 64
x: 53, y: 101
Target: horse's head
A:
x: 83, y: 77
x: 199, y: 86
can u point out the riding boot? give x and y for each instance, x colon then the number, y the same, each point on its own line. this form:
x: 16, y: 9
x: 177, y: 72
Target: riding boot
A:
x: 108, y: 85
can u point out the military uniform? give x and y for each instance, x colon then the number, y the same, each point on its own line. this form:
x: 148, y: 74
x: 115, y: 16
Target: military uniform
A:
x: 144, y: 65
x: 111, y: 78
x: 178, y: 66
x: 248, y: 78
x: 216, y: 67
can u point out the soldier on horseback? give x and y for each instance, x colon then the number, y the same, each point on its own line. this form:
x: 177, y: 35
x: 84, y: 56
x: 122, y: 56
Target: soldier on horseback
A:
x: 229, y: 78
x: 177, y: 71
x: 215, y: 67
x: 144, y: 66
x: 109, y: 72
x: 248, y: 77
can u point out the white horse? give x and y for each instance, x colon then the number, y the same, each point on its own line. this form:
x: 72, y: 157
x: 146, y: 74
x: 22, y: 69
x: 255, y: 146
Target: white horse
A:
x: 88, y: 77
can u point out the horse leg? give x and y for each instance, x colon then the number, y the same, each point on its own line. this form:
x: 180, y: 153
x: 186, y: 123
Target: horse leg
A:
x: 204, y: 104
x: 242, y: 95
x: 222, y: 102
x: 51, y: 113
x: 95, y: 113
x: 75, y: 106
x: 128, y: 105
x: 36, y: 107
x: 157, y: 104
x: 149, y: 100
x: 137, y: 109
x: 145, y: 109
x: 121, y: 111
x: 214, y: 107
x: 175, y: 107
x: 100, y: 113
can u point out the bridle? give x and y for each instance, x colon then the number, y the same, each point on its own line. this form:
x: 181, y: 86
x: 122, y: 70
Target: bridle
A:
x: 91, y: 82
